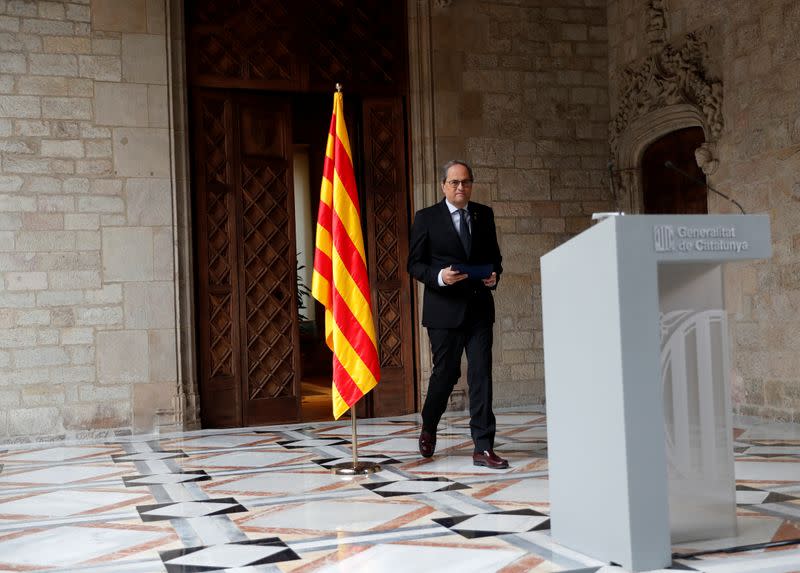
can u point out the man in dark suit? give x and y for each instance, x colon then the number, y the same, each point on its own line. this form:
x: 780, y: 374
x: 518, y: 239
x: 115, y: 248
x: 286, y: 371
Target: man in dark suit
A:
x: 458, y: 310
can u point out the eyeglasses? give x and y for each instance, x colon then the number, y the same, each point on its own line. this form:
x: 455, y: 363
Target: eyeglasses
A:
x: 454, y: 183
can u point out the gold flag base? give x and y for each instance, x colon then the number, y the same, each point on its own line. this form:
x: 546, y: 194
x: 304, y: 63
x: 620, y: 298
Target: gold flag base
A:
x: 359, y: 469
x: 355, y: 468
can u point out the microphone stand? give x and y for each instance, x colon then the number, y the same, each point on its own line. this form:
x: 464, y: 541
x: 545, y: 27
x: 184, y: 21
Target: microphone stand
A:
x: 673, y: 167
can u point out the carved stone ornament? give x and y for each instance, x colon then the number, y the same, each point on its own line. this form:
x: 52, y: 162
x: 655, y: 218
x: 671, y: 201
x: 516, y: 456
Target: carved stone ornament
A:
x: 442, y: 3
x: 704, y: 155
x: 656, y: 24
x: 672, y: 76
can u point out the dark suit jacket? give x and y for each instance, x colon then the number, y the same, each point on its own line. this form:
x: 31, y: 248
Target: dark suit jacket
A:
x: 434, y: 244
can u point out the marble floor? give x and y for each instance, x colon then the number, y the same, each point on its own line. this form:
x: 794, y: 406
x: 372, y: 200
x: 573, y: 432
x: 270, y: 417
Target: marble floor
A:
x: 264, y: 500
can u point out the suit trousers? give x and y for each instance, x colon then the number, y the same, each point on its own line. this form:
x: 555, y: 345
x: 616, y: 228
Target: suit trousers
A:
x: 447, y: 346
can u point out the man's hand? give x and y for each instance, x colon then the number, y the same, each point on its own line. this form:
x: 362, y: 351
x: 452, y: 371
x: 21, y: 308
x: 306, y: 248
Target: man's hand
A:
x: 451, y: 276
x: 491, y: 281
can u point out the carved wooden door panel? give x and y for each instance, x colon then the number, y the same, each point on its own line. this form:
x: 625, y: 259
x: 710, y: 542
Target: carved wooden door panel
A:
x: 387, y: 242
x: 246, y: 309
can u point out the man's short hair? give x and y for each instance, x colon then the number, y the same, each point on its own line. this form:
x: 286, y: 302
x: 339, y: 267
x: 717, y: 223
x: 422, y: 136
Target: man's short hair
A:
x: 452, y: 162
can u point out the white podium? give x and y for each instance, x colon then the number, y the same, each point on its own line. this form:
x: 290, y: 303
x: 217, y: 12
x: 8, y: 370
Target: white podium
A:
x: 636, y: 374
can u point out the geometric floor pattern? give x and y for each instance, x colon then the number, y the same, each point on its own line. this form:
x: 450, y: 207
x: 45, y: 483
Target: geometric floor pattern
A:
x: 251, y: 500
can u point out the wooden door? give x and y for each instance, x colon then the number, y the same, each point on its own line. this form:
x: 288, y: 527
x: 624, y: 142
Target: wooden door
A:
x: 282, y: 51
x: 665, y: 190
x: 384, y: 185
x: 246, y: 280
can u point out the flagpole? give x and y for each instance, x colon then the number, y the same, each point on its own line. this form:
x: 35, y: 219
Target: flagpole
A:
x: 323, y: 283
x: 355, y: 468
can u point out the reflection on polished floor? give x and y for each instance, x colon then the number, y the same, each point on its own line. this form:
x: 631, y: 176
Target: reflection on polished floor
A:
x: 262, y: 499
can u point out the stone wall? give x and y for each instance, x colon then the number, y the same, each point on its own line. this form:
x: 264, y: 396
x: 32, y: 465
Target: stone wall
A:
x: 87, y: 289
x: 520, y: 93
x: 755, y: 53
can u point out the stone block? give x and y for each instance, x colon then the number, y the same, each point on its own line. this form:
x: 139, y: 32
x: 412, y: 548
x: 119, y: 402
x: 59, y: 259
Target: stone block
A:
x: 53, y: 64
x: 109, y: 294
x: 116, y: 16
x: 20, y: 106
x: 94, y: 167
x: 59, y: 298
x: 163, y: 355
x: 74, y: 280
x: 101, y: 68
x: 121, y: 104
x: 62, y: 148
x: 521, y: 252
x: 38, y: 357
x: 128, y: 254
x: 99, y: 316
x: 33, y: 421
x: 141, y: 152
x: 148, y: 202
x: 26, y: 281
x: 16, y: 203
x: 52, y: 241
x: 10, y: 183
x: 83, y: 222
x: 149, y: 305
x: 107, y: 46
x: 111, y: 414
x: 79, y: 13
x: 100, y: 204
x: 38, y: 317
x: 66, y: 45
x: 9, y: 24
x: 77, y: 335
x: 158, y: 106
x: 163, y: 254
x: 54, y: 86
x: 56, y: 203
x: 12, y: 64
x: 99, y: 148
x: 66, y: 108
x: 144, y: 59
x: 122, y: 356
x: 517, y: 184
x: 156, y: 17
x: 147, y: 400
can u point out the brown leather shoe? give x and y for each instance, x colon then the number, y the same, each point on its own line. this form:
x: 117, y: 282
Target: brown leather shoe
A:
x: 489, y: 459
x: 427, y: 443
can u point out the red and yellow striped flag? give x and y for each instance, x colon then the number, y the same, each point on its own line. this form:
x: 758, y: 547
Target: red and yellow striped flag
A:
x: 340, y: 281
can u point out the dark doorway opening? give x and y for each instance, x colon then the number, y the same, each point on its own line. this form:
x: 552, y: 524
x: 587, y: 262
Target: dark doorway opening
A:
x: 665, y: 190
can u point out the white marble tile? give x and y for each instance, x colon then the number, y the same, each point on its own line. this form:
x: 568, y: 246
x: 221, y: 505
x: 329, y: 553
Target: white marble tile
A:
x: 501, y: 522
x: 767, y: 471
x: 532, y: 490
x: 67, y: 546
x: 332, y: 515
x: 246, y: 459
x: 60, y: 474
x: 744, y: 497
x: 413, y: 486
x: 189, y: 509
x: 279, y: 483
x: 65, y: 502
x: 787, y: 561
x: 365, y: 430
x: 779, y: 450
x: 425, y: 559
x: 750, y: 530
x: 222, y: 441
x: 226, y: 556
x: 58, y: 454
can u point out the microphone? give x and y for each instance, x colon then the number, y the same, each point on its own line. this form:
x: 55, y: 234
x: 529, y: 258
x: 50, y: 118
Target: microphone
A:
x: 671, y: 165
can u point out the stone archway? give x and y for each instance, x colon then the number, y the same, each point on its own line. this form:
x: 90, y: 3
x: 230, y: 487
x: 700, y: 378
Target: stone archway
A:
x: 670, y: 89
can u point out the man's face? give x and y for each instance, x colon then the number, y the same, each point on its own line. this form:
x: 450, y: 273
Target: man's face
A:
x: 458, y: 196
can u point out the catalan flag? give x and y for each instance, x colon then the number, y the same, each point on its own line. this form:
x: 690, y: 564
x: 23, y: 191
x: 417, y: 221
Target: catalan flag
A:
x: 340, y: 280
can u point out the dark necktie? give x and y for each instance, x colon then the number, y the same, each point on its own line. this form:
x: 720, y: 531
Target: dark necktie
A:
x: 463, y: 231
